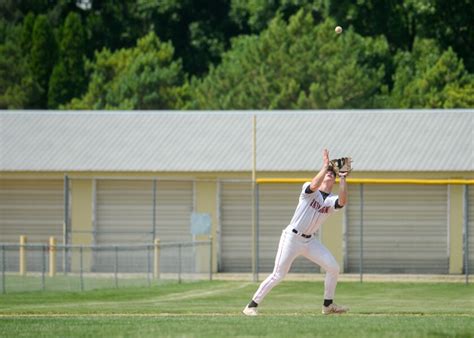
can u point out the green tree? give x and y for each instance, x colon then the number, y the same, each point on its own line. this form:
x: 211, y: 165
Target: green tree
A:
x: 460, y: 95
x: 27, y: 32
x: 428, y: 77
x: 450, y: 23
x: 59, y: 90
x: 401, y: 21
x: 43, y: 57
x: 9, y: 11
x: 113, y: 25
x: 144, y: 77
x: 198, y: 31
x: 295, y: 65
x: 255, y: 15
x: 18, y: 90
x: 71, y: 65
x: 397, y: 20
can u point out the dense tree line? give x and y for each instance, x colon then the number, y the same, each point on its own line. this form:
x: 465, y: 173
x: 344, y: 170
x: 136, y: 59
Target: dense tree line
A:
x: 236, y: 54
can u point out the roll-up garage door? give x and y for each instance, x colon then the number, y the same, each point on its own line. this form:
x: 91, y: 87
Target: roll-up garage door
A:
x: 173, y: 217
x: 236, y: 227
x: 34, y: 208
x: 124, y: 215
x: 125, y: 211
x: 404, y: 229
x: 174, y: 201
x: 470, y: 216
x: 277, y: 203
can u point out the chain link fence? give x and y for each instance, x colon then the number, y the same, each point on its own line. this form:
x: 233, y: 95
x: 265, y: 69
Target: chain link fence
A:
x: 31, y: 267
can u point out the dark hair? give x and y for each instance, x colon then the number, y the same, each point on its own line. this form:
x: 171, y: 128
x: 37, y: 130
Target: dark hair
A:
x: 332, y: 170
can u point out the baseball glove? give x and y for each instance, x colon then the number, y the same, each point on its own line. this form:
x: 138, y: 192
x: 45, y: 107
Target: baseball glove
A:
x: 341, y: 165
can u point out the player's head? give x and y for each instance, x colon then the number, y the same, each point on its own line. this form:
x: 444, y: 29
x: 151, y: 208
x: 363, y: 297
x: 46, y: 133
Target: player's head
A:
x: 331, y: 172
x: 329, y: 180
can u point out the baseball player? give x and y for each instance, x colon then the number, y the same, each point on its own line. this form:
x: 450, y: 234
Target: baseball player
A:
x: 315, y: 205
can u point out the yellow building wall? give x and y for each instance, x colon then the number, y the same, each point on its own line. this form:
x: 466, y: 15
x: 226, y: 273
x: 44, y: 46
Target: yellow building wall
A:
x: 81, y: 221
x: 206, y: 202
x: 81, y: 211
x: 456, y: 229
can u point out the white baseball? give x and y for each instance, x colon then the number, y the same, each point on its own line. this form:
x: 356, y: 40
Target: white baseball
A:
x: 338, y: 29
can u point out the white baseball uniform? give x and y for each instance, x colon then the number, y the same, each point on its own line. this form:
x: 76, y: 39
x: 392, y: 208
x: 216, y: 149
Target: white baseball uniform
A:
x: 298, y: 239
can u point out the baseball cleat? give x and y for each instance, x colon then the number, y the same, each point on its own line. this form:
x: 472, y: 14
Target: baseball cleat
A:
x: 334, y: 309
x: 250, y: 311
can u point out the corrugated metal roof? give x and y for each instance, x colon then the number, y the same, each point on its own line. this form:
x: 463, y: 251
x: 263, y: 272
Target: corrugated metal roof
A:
x: 378, y: 140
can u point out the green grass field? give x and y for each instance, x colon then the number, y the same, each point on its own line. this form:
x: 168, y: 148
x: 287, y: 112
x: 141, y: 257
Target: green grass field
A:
x: 212, y: 309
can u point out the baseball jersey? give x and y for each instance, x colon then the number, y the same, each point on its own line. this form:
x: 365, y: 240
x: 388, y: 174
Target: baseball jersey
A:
x: 312, y: 210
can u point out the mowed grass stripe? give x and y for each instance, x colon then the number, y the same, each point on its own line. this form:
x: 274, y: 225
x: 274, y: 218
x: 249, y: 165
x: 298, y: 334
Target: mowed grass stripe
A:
x: 217, y: 314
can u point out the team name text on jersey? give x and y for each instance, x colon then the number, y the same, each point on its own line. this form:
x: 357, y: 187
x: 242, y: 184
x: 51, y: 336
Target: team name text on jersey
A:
x: 323, y: 210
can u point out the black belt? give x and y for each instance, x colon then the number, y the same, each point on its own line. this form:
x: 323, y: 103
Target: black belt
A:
x: 302, y: 235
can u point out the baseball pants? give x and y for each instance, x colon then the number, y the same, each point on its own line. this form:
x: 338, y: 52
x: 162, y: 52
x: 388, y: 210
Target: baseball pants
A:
x: 291, y: 246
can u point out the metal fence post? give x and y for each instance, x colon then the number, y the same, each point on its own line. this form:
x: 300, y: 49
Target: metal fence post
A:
x: 64, y: 250
x: 210, y: 257
x: 81, y: 268
x: 466, y: 232
x: 43, y: 266
x: 116, y: 266
x: 254, y: 201
x: 66, y: 223
x: 361, y: 258
x: 257, y: 225
x: 154, y: 211
x: 148, y: 265
x: 179, y: 263
x: 4, y: 289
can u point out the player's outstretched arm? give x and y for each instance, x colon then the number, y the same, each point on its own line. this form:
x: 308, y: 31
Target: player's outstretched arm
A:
x: 319, y: 178
x: 342, y: 189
